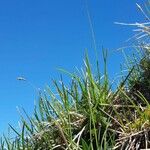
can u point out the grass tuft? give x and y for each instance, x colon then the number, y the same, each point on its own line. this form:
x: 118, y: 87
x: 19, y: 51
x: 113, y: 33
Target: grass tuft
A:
x: 88, y: 114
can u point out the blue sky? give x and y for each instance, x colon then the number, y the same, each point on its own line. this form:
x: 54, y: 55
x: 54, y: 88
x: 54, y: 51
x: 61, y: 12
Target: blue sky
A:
x: 37, y: 37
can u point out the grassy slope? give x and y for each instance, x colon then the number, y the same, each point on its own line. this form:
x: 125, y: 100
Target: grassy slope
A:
x: 89, y: 115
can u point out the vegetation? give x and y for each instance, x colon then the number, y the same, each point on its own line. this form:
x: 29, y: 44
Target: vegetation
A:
x: 90, y: 115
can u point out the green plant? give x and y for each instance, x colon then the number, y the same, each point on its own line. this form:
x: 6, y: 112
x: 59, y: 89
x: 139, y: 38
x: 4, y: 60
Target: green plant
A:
x: 88, y: 114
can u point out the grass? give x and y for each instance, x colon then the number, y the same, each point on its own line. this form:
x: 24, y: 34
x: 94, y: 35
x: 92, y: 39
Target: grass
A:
x: 88, y: 114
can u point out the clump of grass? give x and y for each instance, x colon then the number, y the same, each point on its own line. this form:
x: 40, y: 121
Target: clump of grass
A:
x: 75, y: 118
x: 136, y: 131
x: 88, y: 114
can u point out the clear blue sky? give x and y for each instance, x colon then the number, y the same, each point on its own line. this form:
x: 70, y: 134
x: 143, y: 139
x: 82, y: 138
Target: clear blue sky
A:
x: 38, y: 36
